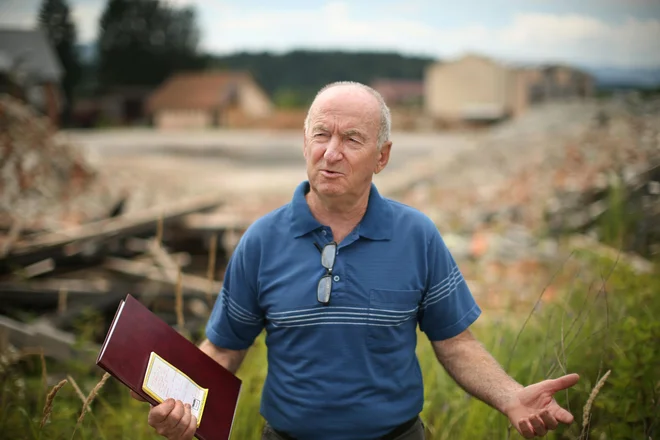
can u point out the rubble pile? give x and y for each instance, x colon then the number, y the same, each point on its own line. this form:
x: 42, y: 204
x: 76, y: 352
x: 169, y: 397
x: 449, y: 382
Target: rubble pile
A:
x: 619, y: 156
x: 568, y: 186
x: 556, y: 160
x: 43, y: 182
x: 464, y: 194
x: 503, y: 205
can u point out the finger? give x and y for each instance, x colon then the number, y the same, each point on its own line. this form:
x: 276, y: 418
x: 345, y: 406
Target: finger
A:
x: 525, y: 428
x: 170, y: 424
x: 192, y: 428
x: 539, y: 427
x: 136, y: 396
x: 182, y: 426
x: 561, y: 383
x: 564, y: 416
x: 159, y: 413
x: 548, y: 420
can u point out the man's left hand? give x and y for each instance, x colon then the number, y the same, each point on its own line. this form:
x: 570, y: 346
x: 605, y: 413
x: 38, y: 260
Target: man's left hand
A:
x: 533, y: 410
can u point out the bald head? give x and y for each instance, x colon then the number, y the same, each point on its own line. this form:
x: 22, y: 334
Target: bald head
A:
x: 354, y: 92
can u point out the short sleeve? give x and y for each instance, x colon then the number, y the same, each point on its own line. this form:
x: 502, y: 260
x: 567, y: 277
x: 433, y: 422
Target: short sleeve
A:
x: 448, y: 307
x: 237, y: 319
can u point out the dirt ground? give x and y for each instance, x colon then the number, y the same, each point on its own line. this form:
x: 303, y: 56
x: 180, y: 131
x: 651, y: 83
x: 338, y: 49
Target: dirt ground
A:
x: 157, y: 166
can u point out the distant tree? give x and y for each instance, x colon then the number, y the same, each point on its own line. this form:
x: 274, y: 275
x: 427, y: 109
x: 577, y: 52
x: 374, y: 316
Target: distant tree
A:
x: 293, y: 78
x: 55, y: 19
x: 290, y: 98
x: 142, y: 42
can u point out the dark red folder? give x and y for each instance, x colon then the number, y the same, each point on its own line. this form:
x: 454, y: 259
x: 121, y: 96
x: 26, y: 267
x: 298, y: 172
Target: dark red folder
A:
x: 135, y: 332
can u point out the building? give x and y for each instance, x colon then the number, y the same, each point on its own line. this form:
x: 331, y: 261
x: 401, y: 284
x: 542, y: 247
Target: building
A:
x: 208, y: 99
x: 400, y: 92
x: 475, y: 88
x: 31, y: 71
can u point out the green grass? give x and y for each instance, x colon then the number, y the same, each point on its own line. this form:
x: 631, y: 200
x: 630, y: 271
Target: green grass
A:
x: 604, y: 320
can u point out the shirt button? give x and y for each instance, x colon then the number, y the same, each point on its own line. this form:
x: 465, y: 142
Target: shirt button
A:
x: 324, y: 232
x: 336, y: 278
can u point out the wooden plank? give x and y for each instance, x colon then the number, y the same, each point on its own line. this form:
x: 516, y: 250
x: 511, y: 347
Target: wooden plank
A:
x: 12, y: 237
x: 214, y: 221
x: 168, y: 266
x: 43, y: 296
x: 144, y: 246
x: 141, y: 269
x: 55, y: 343
x: 74, y: 240
x: 105, y: 304
x: 39, y: 268
x: 54, y: 285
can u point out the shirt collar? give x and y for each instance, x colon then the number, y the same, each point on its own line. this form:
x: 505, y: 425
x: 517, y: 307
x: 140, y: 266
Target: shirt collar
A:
x: 302, y: 220
x: 375, y: 225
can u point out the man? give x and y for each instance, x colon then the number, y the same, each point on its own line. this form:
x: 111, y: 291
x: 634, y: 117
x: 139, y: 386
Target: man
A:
x: 340, y: 278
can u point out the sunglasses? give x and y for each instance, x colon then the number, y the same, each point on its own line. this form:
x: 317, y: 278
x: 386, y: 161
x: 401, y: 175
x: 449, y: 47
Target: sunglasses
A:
x: 324, y: 287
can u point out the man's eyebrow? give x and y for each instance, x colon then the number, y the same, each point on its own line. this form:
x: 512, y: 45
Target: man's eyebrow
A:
x: 354, y: 132
x: 321, y: 127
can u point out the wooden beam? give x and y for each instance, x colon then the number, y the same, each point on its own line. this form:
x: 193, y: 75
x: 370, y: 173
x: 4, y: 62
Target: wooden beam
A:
x: 55, y: 343
x: 104, y: 304
x: 45, y: 294
x: 12, y: 237
x: 54, y: 285
x: 214, y: 221
x: 141, y: 269
x: 168, y: 267
x: 75, y: 240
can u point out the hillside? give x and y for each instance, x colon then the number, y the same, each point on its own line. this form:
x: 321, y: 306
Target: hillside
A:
x: 293, y: 78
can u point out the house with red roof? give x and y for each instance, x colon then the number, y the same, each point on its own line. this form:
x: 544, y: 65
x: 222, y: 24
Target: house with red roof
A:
x: 208, y: 99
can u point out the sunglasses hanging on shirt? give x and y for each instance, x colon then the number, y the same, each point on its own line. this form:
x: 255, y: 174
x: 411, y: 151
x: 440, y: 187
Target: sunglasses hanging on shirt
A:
x: 324, y: 287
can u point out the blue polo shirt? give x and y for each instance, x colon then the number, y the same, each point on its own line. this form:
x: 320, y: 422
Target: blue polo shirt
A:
x: 347, y: 370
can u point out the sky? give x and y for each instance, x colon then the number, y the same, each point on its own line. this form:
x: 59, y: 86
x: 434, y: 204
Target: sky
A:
x: 599, y: 33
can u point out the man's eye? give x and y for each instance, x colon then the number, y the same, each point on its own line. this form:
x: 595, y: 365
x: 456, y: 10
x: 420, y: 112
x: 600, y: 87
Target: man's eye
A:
x: 320, y: 135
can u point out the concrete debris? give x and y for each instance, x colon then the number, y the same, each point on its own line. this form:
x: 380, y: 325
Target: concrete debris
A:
x: 42, y: 181
x: 554, y: 169
x: 576, y: 168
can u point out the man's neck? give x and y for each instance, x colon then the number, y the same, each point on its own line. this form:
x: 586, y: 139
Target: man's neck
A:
x: 337, y: 211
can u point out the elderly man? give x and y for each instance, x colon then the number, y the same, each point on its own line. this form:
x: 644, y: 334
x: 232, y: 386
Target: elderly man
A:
x: 340, y: 278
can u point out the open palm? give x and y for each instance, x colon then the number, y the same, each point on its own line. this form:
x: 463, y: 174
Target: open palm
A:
x: 533, y: 410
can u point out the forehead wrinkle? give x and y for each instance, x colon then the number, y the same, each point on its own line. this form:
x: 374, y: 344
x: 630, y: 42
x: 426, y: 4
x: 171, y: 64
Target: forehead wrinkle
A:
x: 353, y: 132
x: 348, y: 132
x: 325, y: 118
x: 319, y: 126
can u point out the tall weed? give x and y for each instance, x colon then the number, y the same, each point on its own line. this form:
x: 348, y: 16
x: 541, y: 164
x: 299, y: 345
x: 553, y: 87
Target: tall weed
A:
x: 605, y: 320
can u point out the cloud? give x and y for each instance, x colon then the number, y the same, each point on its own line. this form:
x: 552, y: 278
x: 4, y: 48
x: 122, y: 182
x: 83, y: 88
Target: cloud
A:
x: 23, y: 15
x: 405, y: 27
x: 527, y: 37
x: 17, y: 14
x: 86, y: 16
x: 182, y: 3
x: 580, y: 38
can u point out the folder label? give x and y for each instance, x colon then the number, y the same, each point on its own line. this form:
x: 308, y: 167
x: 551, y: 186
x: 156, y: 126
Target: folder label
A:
x: 163, y: 380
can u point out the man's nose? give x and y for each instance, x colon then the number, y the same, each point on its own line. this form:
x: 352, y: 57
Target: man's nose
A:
x: 333, y: 152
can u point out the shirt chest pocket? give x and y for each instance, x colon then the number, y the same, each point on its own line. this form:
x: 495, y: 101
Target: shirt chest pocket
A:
x: 392, y: 318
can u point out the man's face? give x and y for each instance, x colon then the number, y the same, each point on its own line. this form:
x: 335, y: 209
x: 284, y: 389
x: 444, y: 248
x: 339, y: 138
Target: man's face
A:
x: 341, y: 143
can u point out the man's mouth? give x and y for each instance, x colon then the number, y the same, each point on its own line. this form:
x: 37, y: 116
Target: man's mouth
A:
x: 330, y: 173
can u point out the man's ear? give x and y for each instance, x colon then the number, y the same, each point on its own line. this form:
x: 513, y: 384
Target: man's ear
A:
x: 304, y: 144
x: 383, y: 156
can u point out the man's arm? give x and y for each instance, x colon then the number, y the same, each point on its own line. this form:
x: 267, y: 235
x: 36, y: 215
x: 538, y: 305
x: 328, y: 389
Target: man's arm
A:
x: 230, y: 359
x: 476, y: 371
x: 532, y: 410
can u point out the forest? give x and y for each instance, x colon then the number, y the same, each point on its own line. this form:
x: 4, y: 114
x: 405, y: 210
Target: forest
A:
x: 141, y: 43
